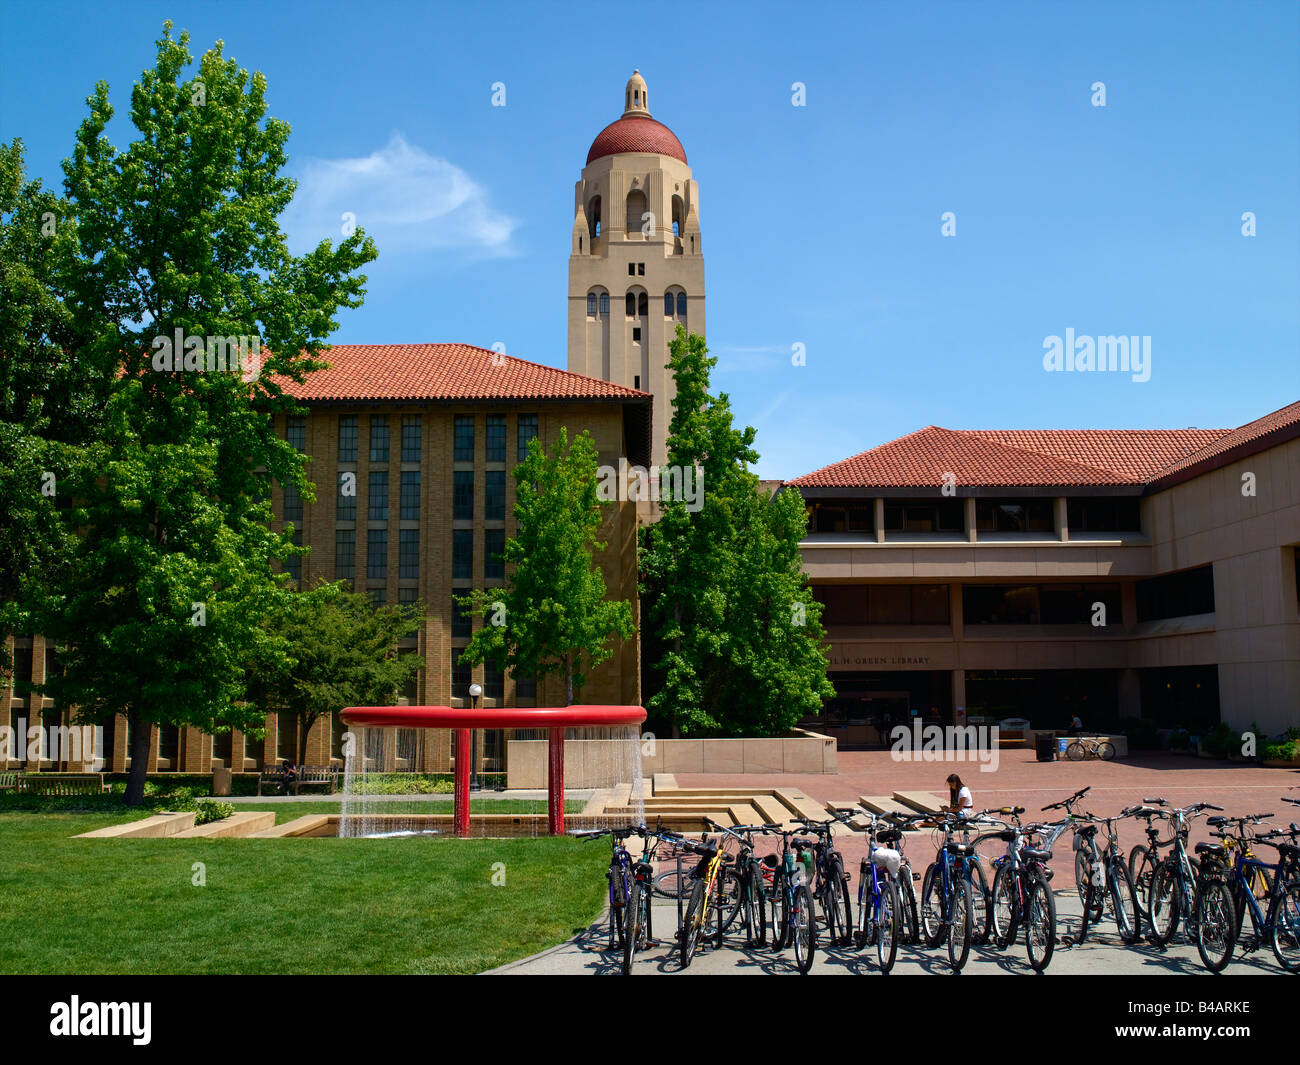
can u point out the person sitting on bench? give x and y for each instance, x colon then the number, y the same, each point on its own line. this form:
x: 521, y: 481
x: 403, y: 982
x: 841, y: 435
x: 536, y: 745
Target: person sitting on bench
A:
x: 290, y: 776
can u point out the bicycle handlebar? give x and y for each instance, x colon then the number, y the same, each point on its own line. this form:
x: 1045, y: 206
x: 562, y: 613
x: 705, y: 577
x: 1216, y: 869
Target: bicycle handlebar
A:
x: 1067, y: 802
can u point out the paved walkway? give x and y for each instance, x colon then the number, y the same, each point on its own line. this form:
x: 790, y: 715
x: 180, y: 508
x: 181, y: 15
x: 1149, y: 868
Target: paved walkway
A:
x: 1102, y: 954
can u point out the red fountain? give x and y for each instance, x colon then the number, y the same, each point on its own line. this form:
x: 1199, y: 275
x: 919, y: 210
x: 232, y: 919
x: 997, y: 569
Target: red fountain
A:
x: 555, y: 719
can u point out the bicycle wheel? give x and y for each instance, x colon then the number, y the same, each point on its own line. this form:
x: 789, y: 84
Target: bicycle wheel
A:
x: 692, y: 924
x: 730, y: 888
x: 1004, y: 912
x: 1286, y: 927
x: 1075, y: 752
x: 1216, y: 924
x: 1166, y: 902
x: 1122, y: 900
x: 1040, y: 923
x: 846, y: 900
x: 1142, y: 867
x: 619, y: 890
x: 981, y: 901
x: 932, y: 907
x: 780, y: 900
x: 671, y: 886
x: 755, y: 907
x: 803, y: 928
x: 635, y: 927
x: 1083, y: 859
x: 908, y: 918
x: 959, y: 927
x: 887, y: 927
x: 1106, y: 751
x: 862, y: 935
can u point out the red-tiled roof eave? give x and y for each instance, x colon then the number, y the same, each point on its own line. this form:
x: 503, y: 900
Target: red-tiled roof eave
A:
x: 1250, y: 439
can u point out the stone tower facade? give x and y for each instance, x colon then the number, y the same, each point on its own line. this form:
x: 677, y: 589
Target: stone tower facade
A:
x: 636, y: 263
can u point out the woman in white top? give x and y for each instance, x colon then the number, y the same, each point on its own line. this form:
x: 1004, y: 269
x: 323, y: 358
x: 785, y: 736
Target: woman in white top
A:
x: 959, y: 797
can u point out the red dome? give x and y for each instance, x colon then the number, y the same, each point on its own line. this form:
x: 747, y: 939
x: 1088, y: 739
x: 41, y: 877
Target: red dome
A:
x: 636, y: 133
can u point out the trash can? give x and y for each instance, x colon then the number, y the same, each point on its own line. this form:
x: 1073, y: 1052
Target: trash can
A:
x: 221, y: 782
x: 1045, y: 746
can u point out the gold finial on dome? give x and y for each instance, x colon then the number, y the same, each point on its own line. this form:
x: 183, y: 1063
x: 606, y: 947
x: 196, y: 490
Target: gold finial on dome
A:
x: 636, y: 98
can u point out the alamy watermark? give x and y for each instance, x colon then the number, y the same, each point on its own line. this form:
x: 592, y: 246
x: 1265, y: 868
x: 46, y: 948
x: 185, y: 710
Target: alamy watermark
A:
x: 83, y: 744
x: 198, y: 354
x: 945, y: 743
x: 1108, y: 354
x: 683, y: 484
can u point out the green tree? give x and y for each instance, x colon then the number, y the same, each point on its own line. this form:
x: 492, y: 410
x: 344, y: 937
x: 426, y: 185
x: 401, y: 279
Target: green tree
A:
x: 339, y: 651
x: 723, y: 585
x: 161, y: 605
x: 49, y: 403
x: 552, y: 615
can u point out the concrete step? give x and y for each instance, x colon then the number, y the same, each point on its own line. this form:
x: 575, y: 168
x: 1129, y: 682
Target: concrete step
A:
x: 242, y: 824
x: 920, y: 801
x: 662, y: 782
x: 884, y: 804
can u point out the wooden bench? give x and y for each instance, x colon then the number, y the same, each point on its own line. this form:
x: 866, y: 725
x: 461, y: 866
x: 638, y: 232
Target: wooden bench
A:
x: 62, y: 783
x: 9, y: 781
x: 304, y: 776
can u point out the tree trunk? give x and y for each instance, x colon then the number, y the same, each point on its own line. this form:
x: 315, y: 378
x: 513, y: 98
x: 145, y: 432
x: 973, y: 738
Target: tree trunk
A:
x: 304, y: 726
x: 141, y: 733
x: 568, y: 681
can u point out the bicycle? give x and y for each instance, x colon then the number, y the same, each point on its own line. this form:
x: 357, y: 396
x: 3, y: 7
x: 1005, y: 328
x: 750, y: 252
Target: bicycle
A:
x: 639, y: 933
x: 830, y: 881
x: 879, y: 908
x: 1144, y: 858
x: 794, y: 919
x: 744, y: 884
x: 1109, y: 882
x: 706, y: 899
x: 947, y: 909
x: 1085, y: 850
x: 1280, y: 921
x: 619, y: 876
x: 1022, y: 893
x: 1174, y: 885
x: 1086, y: 747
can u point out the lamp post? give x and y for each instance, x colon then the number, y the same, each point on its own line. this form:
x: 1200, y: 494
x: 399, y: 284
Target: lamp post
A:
x: 475, y: 692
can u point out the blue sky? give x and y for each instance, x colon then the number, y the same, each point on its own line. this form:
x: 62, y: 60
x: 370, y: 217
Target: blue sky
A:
x: 821, y: 224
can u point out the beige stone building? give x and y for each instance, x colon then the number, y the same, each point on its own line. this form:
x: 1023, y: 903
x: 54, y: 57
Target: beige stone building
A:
x: 1112, y: 574
x: 636, y: 262
x: 412, y: 448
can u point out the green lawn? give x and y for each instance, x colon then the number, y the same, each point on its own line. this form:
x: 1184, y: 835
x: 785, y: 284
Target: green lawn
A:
x: 288, y: 810
x: 415, y: 905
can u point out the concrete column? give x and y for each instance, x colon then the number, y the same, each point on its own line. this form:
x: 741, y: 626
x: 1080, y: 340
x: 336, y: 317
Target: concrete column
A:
x: 1062, y: 519
x: 972, y: 533
x: 954, y: 611
x: 879, y: 520
x: 958, y: 690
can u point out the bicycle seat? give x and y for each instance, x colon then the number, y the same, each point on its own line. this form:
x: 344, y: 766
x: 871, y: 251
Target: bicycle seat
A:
x: 1006, y: 836
x: 1033, y: 854
x: 1215, y: 850
x: 889, y: 835
x: 771, y: 860
x: 961, y: 850
x: 1216, y: 820
x: 1088, y: 831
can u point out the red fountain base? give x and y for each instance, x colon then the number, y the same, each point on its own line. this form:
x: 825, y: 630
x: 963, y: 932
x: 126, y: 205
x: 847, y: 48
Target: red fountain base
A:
x: 463, y: 721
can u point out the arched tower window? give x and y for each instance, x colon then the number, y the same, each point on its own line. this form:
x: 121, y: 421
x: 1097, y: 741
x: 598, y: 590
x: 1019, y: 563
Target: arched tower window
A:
x: 630, y: 308
x: 681, y: 305
x: 668, y: 304
x: 593, y: 216
x: 643, y: 305
x: 679, y: 216
x: 636, y: 209
x: 591, y: 304
x: 675, y: 304
x: 604, y: 304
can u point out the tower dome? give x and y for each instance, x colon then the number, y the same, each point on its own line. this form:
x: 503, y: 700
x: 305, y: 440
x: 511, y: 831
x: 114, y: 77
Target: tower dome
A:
x: 636, y: 131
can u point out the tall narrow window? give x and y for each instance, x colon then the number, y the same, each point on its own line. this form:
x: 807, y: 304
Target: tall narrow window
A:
x: 348, y: 438
x: 411, y: 438
x: 630, y: 305
x: 527, y: 429
x: 668, y: 304
x: 293, y: 564
x: 494, y: 544
x: 345, y: 554
x: 295, y: 431
x: 379, y: 438
x: 410, y: 496
x: 462, y: 554
x: 347, y: 497
x: 604, y: 304
x: 496, y: 438
x: 643, y: 305
x: 464, y: 438
x: 681, y: 305
x: 292, y: 504
x: 462, y: 495
x: 591, y: 305
x: 377, y: 553
x: 462, y: 621
x: 494, y: 495
x: 408, y: 556
x: 378, y: 509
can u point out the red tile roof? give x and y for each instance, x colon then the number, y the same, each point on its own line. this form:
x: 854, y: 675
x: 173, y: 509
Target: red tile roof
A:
x: 443, y: 371
x: 636, y: 133
x: 1284, y: 422
x: 1015, y: 458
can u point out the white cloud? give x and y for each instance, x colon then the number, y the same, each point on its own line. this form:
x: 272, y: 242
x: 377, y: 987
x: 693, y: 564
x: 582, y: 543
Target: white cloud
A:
x: 405, y: 198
